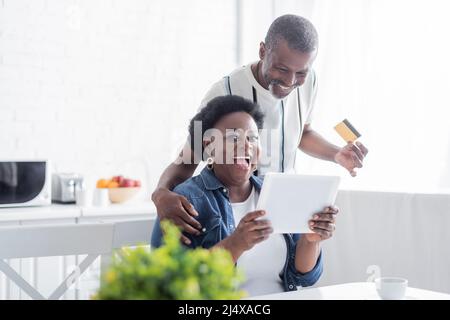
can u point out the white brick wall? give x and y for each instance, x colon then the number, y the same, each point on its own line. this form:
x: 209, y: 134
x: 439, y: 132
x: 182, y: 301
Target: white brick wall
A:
x: 104, y: 87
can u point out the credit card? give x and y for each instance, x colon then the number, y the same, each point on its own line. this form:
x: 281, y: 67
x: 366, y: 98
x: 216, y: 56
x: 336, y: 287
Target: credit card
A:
x: 347, y: 131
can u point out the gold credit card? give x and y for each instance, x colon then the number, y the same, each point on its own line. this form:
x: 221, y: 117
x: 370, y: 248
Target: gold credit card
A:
x: 347, y: 131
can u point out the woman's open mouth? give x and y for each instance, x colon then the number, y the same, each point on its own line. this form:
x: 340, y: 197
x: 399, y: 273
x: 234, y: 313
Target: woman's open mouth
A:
x: 242, y: 163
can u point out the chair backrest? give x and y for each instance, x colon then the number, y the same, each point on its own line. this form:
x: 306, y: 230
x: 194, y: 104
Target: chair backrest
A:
x: 131, y: 233
x: 55, y: 240
x: 72, y: 239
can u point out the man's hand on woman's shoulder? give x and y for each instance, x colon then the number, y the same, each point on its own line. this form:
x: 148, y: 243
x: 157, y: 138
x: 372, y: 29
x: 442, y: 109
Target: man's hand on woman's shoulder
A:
x: 179, y: 210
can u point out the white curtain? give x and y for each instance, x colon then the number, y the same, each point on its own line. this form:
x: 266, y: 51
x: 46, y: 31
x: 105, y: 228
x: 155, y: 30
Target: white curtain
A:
x: 384, y: 66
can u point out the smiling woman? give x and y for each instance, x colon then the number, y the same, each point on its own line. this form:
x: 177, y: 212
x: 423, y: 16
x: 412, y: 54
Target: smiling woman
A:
x: 225, y: 194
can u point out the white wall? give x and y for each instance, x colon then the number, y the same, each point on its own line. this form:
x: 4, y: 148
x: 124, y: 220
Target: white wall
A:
x: 107, y: 87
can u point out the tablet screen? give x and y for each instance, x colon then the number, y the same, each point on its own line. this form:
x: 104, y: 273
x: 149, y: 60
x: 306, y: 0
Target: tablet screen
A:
x: 290, y: 200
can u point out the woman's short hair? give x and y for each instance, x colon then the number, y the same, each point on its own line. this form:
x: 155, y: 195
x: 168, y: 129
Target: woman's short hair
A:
x: 219, y: 107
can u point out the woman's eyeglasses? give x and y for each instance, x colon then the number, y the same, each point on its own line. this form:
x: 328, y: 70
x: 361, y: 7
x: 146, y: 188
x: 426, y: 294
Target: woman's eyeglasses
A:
x: 238, y: 136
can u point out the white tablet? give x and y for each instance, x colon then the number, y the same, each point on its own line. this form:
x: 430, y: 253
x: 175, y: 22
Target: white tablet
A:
x: 290, y: 200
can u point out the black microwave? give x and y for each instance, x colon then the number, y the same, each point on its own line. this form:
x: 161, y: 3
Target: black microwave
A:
x: 25, y: 183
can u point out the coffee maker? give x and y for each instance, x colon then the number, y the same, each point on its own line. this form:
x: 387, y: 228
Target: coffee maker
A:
x: 65, y: 187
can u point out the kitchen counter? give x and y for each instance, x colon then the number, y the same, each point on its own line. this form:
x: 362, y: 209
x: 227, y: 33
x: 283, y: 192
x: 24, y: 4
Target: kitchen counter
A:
x: 68, y: 212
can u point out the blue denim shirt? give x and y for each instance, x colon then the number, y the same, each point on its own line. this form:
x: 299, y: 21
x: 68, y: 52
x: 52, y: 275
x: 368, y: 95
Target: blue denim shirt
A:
x: 210, y: 198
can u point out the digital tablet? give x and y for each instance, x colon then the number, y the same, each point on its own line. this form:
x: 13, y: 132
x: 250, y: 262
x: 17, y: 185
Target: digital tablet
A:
x: 290, y: 200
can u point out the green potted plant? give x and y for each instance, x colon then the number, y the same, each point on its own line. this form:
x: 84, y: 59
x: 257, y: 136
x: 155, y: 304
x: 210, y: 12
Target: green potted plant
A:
x: 171, y: 272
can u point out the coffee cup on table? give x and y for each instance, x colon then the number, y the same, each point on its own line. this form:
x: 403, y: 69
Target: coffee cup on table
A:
x: 391, y: 288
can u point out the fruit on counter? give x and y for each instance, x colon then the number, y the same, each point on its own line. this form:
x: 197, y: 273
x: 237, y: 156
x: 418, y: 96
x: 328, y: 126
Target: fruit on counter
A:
x: 118, y: 179
x: 127, y: 183
x: 118, y: 182
x: 102, y: 183
x: 113, y: 184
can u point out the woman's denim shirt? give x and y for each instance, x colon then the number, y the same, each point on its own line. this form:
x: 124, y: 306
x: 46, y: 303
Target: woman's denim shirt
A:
x: 210, y: 198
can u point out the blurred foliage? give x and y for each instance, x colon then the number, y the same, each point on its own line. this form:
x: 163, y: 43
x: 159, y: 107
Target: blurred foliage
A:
x: 171, y: 272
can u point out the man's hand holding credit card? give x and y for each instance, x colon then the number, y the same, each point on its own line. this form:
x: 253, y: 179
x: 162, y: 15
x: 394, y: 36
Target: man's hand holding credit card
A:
x: 352, y: 155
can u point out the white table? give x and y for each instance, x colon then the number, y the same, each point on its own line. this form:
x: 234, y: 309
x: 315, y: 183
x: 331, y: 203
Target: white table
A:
x: 349, y: 291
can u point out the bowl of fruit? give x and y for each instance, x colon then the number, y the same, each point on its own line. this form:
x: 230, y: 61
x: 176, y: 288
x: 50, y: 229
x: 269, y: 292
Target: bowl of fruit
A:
x: 120, y: 189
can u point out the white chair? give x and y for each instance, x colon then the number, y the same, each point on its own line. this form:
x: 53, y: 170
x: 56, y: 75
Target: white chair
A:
x: 93, y: 240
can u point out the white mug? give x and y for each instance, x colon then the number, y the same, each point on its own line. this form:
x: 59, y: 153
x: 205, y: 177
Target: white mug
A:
x: 391, y: 288
x: 101, y: 197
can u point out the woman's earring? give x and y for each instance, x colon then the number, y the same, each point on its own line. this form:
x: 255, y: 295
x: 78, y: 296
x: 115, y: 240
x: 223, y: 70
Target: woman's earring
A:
x: 209, y: 163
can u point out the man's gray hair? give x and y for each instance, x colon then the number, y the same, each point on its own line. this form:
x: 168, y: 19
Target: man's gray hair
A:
x: 299, y: 33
